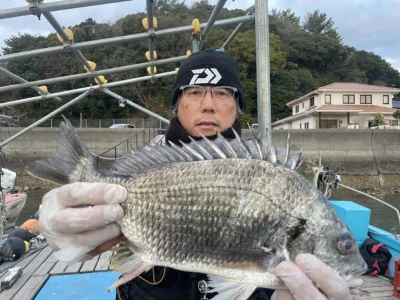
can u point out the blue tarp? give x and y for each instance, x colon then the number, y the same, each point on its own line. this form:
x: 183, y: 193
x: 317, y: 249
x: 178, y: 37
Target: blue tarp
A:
x: 79, y: 286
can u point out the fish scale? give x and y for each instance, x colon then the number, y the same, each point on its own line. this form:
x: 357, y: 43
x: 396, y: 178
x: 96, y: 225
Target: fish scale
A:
x: 229, y: 209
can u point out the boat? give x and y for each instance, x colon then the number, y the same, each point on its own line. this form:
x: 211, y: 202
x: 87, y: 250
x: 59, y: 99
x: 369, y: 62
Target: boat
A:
x: 14, y: 205
x: 14, y: 202
x: 357, y: 218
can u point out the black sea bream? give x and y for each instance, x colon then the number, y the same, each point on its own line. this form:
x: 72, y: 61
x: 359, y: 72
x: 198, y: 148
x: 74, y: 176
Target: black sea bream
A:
x: 229, y: 209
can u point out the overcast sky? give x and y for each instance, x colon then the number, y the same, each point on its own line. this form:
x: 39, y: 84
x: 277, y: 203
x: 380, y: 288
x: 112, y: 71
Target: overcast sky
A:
x: 369, y: 25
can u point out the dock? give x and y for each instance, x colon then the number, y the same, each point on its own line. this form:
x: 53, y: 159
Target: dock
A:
x: 40, y: 264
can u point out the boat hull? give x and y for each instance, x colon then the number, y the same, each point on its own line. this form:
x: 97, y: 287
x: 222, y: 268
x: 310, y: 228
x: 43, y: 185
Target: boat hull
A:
x: 14, y: 205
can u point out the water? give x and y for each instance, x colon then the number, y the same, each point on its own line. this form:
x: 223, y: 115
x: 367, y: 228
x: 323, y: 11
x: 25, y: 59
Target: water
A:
x: 32, y: 204
x: 381, y: 215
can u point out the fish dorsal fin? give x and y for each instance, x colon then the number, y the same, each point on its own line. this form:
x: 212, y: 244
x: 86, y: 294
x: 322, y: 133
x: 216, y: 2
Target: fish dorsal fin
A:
x: 208, y: 149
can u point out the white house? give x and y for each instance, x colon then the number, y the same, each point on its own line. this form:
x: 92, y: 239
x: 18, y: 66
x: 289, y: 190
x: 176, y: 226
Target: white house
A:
x: 340, y: 105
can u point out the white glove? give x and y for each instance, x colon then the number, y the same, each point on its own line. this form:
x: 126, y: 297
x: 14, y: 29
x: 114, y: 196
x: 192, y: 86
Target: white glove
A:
x: 310, y: 278
x: 80, y: 217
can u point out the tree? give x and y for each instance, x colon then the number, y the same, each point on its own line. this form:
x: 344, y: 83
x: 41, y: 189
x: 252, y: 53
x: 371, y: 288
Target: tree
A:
x: 302, y: 58
x: 284, y: 24
x: 379, y: 119
x: 396, y: 114
x: 317, y: 23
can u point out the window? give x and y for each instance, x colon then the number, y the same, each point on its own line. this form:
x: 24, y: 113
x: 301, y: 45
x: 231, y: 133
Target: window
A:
x: 306, y: 126
x: 297, y: 108
x: 300, y: 125
x: 302, y: 105
x: 327, y: 99
x: 385, y: 99
x: 348, y: 99
x: 311, y: 101
x: 365, y: 99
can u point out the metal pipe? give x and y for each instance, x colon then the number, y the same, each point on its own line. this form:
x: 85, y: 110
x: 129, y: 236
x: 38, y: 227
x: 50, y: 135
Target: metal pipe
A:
x: 150, y: 31
x: 236, y: 31
x: 90, y: 74
x: 90, y: 88
x: 116, y: 96
x: 20, y: 79
x: 54, y: 6
x: 53, y: 22
x: 211, y: 20
x: 45, y: 118
x: 116, y: 40
x: 4, y: 117
x: 263, y: 66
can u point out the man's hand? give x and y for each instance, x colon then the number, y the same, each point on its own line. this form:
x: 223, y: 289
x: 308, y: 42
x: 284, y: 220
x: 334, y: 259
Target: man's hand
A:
x: 79, y: 218
x: 309, y: 278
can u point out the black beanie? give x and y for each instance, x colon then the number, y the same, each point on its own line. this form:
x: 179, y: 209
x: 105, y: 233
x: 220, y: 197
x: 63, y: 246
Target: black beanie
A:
x: 209, y: 67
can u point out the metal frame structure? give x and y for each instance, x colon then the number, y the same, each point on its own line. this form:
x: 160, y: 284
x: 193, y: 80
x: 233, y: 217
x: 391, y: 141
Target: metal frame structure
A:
x: 38, y: 8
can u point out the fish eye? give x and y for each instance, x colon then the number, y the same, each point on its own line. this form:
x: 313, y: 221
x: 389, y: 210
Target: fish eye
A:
x: 346, y: 246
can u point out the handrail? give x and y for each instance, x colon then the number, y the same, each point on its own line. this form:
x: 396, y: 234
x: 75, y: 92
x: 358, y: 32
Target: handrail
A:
x: 131, y: 142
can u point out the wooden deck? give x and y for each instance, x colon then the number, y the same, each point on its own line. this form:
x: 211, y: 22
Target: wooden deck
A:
x: 39, y: 265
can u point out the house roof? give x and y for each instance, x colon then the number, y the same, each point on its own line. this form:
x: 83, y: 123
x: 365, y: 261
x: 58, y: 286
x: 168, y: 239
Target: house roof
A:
x: 346, y: 87
x: 356, y: 87
x: 353, y: 108
x: 340, y: 109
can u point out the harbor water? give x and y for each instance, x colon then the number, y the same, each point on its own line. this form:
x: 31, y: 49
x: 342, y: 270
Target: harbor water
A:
x: 381, y: 215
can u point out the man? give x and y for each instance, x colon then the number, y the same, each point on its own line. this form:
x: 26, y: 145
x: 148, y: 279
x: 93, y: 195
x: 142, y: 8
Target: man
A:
x: 207, y: 97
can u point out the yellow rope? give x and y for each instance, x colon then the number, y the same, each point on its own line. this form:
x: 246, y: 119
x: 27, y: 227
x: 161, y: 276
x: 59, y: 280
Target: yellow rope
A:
x: 149, y: 282
x: 154, y: 277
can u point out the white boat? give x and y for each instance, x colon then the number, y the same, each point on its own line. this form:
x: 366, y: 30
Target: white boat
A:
x: 14, y: 205
x: 14, y: 202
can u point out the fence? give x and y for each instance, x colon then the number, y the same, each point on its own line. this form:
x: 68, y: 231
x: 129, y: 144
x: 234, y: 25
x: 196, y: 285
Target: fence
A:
x: 89, y: 123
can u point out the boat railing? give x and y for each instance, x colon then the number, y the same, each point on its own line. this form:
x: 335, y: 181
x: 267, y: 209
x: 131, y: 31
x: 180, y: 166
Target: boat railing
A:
x: 327, y: 180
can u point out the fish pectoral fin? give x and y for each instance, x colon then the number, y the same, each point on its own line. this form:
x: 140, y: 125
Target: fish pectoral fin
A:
x: 144, y: 267
x: 127, y: 262
x: 229, y: 289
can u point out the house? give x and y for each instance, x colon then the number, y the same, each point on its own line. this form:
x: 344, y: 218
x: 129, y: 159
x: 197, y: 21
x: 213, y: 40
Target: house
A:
x: 340, y: 105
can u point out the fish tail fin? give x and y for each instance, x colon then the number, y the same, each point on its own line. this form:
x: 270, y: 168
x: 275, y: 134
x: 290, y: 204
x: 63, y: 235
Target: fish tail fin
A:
x: 70, y: 150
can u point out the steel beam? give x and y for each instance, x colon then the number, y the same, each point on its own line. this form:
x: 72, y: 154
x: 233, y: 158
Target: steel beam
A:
x: 54, y: 6
x: 117, y: 40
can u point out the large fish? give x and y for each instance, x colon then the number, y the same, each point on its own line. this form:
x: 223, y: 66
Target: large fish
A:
x: 230, y: 209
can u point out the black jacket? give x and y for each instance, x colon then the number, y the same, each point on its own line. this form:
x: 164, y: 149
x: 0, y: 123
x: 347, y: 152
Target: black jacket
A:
x: 162, y: 283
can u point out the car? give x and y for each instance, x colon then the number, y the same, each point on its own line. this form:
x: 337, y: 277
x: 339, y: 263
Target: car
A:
x: 122, y: 126
x: 254, y: 126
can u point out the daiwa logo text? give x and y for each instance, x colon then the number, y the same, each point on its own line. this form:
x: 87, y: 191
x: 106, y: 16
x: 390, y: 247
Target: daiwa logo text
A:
x: 211, y: 76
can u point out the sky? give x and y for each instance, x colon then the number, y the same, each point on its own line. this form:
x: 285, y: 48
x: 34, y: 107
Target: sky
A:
x: 369, y: 25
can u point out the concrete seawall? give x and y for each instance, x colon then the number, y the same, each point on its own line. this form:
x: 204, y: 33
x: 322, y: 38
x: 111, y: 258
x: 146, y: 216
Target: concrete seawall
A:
x: 367, y: 159
x: 370, y: 158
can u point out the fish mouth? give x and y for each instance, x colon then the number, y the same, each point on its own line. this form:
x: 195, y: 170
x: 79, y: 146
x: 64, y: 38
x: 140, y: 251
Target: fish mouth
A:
x: 354, y: 273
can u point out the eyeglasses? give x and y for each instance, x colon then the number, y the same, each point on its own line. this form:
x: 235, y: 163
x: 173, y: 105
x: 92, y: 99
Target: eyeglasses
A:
x: 219, y: 93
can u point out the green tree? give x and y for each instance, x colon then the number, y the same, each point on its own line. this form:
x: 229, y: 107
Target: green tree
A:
x: 318, y: 23
x: 302, y: 58
x: 379, y: 119
x: 284, y: 24
x: 396, y: 114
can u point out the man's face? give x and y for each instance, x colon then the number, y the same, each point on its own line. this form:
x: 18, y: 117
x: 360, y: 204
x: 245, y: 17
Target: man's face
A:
x: 206, y: 116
